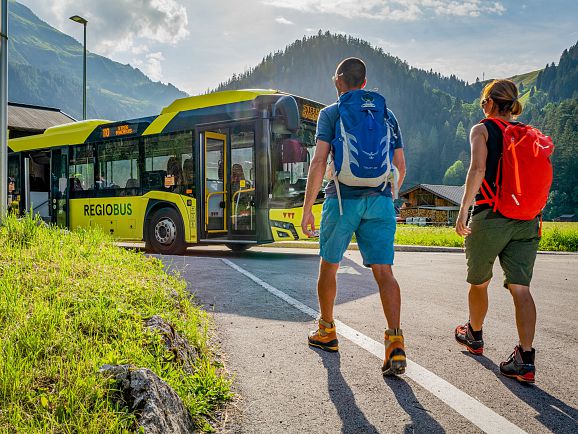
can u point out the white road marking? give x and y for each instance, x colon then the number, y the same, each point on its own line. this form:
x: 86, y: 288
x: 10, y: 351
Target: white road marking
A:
x: 483, y: 417
x: 344, y: 269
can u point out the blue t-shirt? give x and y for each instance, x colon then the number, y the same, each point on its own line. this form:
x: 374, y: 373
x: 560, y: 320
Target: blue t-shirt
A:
x: 326, y: 131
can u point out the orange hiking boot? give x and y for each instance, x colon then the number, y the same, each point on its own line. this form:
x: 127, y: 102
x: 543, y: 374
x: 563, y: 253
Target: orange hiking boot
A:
x: 324, y: 337
x: 395, y: 362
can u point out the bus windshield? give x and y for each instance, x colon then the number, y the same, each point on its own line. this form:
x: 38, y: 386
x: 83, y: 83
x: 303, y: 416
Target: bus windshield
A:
x: 291, y: 155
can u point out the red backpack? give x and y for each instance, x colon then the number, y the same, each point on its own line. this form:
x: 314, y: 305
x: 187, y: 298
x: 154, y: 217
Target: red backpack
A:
x: 524, y: 173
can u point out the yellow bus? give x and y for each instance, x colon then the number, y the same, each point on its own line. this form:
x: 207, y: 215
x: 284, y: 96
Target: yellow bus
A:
x: 223, y: 168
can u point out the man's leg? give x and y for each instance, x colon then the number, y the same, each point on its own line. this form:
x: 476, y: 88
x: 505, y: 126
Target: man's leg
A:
x: 389, y: 293
x: 525, y: 314
x: 336, y: 233
x: 327, y: 289
x: 394, y: 362
x: 325, y: 337
x: 478, y: 303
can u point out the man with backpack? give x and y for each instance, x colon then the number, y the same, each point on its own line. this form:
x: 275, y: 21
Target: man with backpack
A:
x: 363, y: 139
x: 509, y: 176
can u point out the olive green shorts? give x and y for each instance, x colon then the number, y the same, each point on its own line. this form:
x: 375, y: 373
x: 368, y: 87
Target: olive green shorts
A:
x: 515, y: 242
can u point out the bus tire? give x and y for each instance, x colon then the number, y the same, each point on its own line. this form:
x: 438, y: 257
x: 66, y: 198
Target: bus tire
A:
x: 238, y: 248
x: 166, y: 234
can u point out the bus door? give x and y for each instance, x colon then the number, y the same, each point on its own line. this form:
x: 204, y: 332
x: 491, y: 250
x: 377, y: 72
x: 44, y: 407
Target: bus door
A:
x: 215, y: 174
x: 59, y: 187
x: 242, y: 183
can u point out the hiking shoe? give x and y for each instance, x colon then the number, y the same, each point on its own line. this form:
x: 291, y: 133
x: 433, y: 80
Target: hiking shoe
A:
x: 515, y: 367
x: 394, y: 362
x: 465, y: 337
x: 324, y: 337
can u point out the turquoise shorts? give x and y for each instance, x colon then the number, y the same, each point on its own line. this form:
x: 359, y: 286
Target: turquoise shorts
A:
x: 370, y: 218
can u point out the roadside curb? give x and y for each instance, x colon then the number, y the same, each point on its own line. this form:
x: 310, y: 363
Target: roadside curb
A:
x: 398, y: 248
x: 354, y: 246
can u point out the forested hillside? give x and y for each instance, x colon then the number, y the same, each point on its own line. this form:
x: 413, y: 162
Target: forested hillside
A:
x: 435, y: 112
x: 45, y: 68
x: 429, y: 107
x: 553, y: 107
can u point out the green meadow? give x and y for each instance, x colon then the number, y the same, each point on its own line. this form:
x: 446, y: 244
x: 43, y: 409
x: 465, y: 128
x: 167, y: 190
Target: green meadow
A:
x: 71, y: 302
x: 555, y: 236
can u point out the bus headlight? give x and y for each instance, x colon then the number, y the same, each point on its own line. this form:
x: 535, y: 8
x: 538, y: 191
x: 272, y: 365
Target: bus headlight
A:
x: 285, y: 225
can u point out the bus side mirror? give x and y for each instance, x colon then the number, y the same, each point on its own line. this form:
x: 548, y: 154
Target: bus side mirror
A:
x: 294, y: 152
x: 287, y: 108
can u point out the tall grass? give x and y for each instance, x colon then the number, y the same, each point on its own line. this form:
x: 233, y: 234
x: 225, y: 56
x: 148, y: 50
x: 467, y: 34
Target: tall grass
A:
x: 559, y: 237
x: 71, y: 302
x: 555, y: 236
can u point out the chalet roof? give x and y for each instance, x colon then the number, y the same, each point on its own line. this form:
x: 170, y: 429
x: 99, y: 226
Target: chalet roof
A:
x: 35, y: 118
x: 452, y: 193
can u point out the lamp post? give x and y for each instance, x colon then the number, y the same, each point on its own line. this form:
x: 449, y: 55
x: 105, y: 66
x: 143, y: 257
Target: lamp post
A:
x: 80, y: 20
x: 4, y: 110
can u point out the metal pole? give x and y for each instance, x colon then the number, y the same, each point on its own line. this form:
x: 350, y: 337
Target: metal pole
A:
x: 84, y: 79
x: 4, y: 111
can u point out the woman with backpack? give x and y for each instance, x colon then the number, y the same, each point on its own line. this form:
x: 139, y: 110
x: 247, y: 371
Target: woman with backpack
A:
x: 509, y: 178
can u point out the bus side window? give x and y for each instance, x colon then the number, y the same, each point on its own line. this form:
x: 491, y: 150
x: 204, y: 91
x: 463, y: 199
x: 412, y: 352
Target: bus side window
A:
x: 81, y: 169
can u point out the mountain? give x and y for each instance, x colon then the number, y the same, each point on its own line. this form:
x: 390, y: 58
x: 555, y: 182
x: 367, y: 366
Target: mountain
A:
x: 553, y: 107
x: 435, y: 112
x: 45, y: 68
x: 428, y: 106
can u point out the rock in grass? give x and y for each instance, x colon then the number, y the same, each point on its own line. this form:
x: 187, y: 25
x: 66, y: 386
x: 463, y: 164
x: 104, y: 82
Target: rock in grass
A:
x: 158, y: 408
x: 182, y: 351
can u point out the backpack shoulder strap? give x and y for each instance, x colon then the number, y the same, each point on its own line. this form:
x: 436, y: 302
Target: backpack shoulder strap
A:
x: 502, y: 124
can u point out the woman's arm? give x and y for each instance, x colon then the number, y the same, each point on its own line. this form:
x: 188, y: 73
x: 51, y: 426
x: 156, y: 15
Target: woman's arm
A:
x: 475, y: 176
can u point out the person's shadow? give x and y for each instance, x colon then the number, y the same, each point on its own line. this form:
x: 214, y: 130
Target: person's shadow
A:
x: 352, y: 418
x: 555, y: 415
x: 421, y: 420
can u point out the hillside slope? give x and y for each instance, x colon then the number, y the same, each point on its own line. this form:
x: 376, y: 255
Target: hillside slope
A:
x: 428, y: 106
x: 45, y: 68
x: 435, y: 112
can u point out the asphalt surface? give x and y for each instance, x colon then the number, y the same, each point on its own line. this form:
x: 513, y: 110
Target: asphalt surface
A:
x: 284, y: 386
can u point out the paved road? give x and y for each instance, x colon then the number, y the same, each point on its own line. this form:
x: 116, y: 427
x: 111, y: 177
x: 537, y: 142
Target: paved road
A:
x: 287, y: 387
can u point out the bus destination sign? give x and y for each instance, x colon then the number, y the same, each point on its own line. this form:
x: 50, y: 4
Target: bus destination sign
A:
x: 310, y: 112
x: 119, y: 130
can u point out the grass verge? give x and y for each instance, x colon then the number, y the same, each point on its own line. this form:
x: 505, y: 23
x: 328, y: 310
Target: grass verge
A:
x: 71, y: 302
x: 561, y: 237
x: 558, y: 237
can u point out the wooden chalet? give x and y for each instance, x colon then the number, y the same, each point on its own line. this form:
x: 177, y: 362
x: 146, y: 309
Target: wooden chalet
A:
x: 437, y: 204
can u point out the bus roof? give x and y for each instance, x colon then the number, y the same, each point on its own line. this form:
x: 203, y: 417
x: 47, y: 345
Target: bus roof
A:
x: 60, y: 135
x: 79, y: 132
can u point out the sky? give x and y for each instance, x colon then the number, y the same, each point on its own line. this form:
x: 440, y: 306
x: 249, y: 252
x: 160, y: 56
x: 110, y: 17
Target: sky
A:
x: 196, y: 44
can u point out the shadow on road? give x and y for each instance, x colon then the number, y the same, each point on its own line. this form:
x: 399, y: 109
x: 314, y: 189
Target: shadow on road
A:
x: 555, y: 415
x: 352, y: 418
x: 421, y: 420
x: 216, y: 285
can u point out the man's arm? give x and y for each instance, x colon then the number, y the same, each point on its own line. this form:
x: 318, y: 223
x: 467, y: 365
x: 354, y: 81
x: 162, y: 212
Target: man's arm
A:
x: 314, y: 181
x: 475, y: 176
x: 399, y: 163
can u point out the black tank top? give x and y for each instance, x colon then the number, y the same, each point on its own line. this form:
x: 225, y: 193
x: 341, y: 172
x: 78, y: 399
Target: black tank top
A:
x: 495, y: 147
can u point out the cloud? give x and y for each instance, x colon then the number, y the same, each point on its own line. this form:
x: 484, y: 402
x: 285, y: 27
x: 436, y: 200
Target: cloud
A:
x: 152, y: 65
x: 392, y: 10
x: 282, y: 20
x: 116, y: 26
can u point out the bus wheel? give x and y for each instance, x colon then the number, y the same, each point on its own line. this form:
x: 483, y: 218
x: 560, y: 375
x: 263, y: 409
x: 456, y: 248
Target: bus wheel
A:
x: 238, y: 248
x: 166, y: 234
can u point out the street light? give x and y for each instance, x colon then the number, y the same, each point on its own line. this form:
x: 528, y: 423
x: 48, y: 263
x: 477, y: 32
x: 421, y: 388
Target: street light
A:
x: 3, y: 109
x: 80, y: 20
